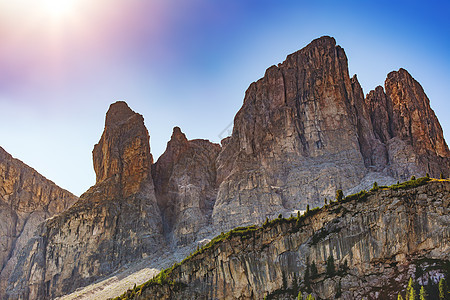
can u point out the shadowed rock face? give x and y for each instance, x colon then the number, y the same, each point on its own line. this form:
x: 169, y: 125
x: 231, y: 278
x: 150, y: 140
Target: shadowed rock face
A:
x: 26, y: 200
x: 116, y: 221
x: 185, y: 181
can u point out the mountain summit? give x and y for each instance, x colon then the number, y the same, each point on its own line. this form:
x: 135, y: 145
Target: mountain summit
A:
x: 304, y: 131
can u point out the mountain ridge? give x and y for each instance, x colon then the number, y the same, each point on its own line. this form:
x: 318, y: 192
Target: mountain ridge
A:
x: 304, y: 131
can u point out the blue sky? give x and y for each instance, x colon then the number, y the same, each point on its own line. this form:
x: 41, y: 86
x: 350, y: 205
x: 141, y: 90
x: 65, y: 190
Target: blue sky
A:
x: 185, y: 63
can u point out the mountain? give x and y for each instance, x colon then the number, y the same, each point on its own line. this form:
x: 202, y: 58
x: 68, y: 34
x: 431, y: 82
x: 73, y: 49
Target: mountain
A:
x: 377, y: 241
x: 304, y: 131
x: 116, y: 221
x: 26, y: 200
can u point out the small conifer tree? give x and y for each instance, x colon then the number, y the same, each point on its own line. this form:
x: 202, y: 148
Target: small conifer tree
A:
x: 330, y: 266
x: 427, y: 175
x: 306, y: 278
x: 339, y: 195
x: 294, y: 284
x: 307, y: 208
x: 422, y: 294
x: 313, y: 270
x: 283, y: 281
x: 442, y: 289
x: 441, y: 176
x: 413, y: 178
x: 375, y: 186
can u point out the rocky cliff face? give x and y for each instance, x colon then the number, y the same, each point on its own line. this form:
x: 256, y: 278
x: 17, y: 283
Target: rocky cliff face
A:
x: 114, y: 222
x: 306, y: 123
x: 381, y: 237
x: 404, y: 121
x: 185, y: 181
x: 305, y: 130
x: 26, y: 200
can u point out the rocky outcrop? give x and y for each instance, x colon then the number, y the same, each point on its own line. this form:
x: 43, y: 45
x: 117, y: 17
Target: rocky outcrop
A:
x: 185, y: 184
x: 293, y: 138
x: 26, y: 200
x: 305, y: 130
x: 404, y: 121
x: 376, y: 240
x: 115, y: 222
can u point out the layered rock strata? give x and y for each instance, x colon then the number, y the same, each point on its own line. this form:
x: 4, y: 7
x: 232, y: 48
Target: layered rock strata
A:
x: 115, y: 222
x: 377, y: 243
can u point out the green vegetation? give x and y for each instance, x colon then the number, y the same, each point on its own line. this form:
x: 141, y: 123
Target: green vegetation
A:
x: 422, y: 294
x: 442, y: 289
x: 430, y: 291
x: 339, y: 195
x: 295, y: 224
x: 375, y: 186
x: 313, y: 270
x: 330, y: 266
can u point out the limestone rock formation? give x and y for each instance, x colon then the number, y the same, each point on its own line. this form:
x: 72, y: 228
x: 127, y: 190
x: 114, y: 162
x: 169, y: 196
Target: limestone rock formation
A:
x: 293, y: 139
x: 305, y: 130
x: 404, y: 121
x: 373, y: 239
x: 185, y: 184
x: 116, y: 221
x: 26, y: 200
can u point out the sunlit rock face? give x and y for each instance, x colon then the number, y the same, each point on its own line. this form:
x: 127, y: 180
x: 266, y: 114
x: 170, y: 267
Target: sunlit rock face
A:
x: 306, y: 130
x: 404, y: 121
x: 116, y: 221
x: 26, y: 200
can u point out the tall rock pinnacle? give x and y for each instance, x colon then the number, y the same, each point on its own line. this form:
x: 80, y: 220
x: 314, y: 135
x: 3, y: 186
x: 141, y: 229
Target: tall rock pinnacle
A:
x: 123, y: 152
x: 115, y: 222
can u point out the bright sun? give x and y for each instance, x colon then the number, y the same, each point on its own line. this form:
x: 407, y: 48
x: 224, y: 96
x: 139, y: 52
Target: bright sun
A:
x: 59, y: 8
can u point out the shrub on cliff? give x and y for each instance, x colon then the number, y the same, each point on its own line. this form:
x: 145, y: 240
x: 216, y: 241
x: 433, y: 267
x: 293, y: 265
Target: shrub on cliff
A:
x: 330, y: 266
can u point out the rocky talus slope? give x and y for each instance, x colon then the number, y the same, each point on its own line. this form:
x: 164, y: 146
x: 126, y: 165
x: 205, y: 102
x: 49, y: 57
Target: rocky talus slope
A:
x: 378, y: 240
x: 116, y: 221
x: 26, y: 200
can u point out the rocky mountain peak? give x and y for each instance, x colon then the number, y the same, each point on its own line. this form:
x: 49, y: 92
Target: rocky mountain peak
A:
x: 123, y: 152
x: 414, y: 118
x: 118, y: 113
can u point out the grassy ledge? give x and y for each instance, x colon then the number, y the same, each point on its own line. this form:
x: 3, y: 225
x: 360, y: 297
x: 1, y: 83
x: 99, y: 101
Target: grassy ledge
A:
x: 248, y: 231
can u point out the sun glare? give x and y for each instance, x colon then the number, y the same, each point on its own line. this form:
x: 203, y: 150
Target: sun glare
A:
x: 59, y: 8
